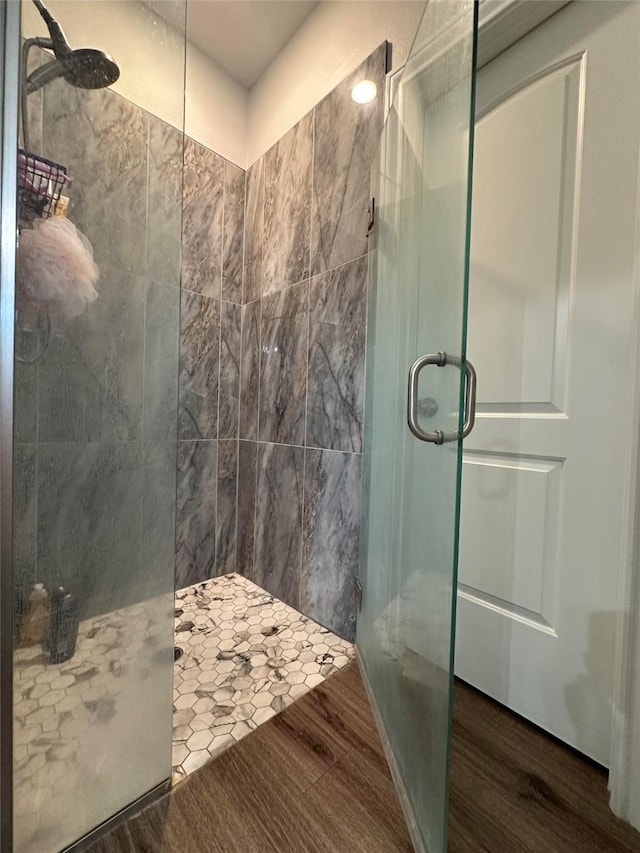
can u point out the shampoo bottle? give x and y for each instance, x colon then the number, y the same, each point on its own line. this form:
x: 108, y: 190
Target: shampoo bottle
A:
x: 35, y: 622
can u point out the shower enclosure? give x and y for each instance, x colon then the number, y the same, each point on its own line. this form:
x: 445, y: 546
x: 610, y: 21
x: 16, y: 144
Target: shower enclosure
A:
x: 93, y: 376
x: 89, y: 420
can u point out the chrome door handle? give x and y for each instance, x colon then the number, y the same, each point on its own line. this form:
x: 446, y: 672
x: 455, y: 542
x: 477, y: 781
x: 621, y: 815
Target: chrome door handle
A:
x: 440, y: 359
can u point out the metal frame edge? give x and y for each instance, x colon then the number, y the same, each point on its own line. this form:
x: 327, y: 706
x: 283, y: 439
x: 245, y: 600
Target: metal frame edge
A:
x: 153, y: 796
x: 10, y: 73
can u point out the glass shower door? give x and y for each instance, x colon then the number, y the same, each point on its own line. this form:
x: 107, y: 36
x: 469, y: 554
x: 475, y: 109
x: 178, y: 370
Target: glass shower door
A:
x: 95, y: 412
x: 418, y: 297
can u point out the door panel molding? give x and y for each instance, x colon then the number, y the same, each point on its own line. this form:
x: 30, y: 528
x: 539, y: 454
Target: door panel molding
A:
x: 506, y: 608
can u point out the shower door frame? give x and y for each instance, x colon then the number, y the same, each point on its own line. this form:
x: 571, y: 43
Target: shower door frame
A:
x: 10, y: 81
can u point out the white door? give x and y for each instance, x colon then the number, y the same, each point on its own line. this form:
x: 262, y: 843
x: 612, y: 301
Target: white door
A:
x: 551, y: 323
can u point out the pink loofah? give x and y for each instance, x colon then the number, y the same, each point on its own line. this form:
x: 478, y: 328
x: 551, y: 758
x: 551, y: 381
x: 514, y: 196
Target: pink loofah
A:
x: 55, y: 268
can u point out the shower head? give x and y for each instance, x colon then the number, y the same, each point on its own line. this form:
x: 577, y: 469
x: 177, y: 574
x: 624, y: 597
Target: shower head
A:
x: 85, y: 68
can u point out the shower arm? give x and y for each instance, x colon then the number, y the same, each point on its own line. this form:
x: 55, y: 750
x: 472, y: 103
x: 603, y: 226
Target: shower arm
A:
x: 37, y: 79
x: 43, y: 75
x: 27, y: 83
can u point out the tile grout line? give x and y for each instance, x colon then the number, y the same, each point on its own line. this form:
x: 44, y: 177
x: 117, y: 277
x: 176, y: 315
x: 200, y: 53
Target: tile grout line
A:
x: 304, y: 447
x: 215, y: 520
x: 308, y: 347
x: 240, y: 364
x: 313, y: 276
x: 261, y: 194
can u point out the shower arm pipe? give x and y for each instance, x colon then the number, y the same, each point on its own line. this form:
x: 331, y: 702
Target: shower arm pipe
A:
x: 25, y: 89
x: 43, y: 75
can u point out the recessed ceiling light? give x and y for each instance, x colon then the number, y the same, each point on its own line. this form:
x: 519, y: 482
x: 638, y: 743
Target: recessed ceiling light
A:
x: 364, y: 92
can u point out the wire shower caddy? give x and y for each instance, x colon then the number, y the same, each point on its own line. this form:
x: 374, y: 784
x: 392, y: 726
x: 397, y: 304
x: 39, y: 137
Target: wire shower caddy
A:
x: 40, y: 184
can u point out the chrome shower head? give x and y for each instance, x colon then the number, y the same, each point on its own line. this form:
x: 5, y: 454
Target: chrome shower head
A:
x: 85, y: 67
x: 88, y: 68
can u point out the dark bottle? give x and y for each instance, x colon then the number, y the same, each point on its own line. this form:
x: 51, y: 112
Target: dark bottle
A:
x: 63, y: 626
x: 57, y: 594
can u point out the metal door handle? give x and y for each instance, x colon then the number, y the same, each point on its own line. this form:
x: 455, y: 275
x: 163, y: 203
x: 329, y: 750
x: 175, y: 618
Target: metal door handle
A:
x: 440, y: 359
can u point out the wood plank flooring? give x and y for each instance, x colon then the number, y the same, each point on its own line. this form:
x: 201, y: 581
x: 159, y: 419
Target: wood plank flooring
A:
x: 311, y: 780
x: 314, y: 780
x: 516, y: 790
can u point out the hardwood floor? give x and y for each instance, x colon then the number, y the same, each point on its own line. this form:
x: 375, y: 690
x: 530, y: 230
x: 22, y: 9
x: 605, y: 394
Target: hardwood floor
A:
x: 314, y: 780
x: 516, y: 790
x: 311, y: 780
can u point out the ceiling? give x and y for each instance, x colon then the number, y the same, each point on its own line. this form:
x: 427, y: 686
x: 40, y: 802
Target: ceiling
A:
x: 243, y: 37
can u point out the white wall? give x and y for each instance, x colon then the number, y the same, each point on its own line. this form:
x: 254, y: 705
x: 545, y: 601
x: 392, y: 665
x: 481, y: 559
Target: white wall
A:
x: 215, y: 108
x: 219, y: 113
x: 335, y: 39
x: 151, y: 56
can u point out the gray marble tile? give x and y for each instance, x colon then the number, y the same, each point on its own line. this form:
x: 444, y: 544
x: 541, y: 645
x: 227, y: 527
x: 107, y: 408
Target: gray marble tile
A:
x: 164, y: 187
x: 89, y: 521
x: 226, y: 507
x: 278, y: 525
x: 91, y: 377
x: 283, y: 365
x: 247, y: 471
x: 345, y: 141
x: 203, y: 182
x: 337, y: 329
x: 253, y: 231
x: 37, y: 57
x: 102, y: 140
x: 25, y: 388
x: 330, y: 541
x: 161, y: 354
x: 230, y: 336
x: 287, y: 201
x: 158, y: 537
x: 233, y: 245
x: 196, y: 512
x: 199, y: 364
x: 250, y: 370
x: 24, y: 521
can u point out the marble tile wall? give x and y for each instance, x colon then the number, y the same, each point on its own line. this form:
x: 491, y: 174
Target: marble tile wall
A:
x: 202, y: 211
x: 287, y: 206
x: 302, y: 355
x: 283, y: 365
x: 278, y: 524
x: 96, y: 414
x: 210, y: 362
x: 256, y: 281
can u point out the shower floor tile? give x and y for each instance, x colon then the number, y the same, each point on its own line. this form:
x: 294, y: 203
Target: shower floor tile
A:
x: 245, y: 657
x: 81, y: 724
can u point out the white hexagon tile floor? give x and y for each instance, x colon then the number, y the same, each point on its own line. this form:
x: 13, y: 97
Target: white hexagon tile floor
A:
x: 246, y: 656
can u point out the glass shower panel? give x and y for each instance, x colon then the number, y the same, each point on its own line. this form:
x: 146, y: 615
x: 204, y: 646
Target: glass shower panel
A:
x: 97, y: 333
x: 418, y: 297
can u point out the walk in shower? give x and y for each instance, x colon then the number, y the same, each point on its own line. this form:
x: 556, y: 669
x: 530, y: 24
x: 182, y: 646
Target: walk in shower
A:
x: 187, y: 389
